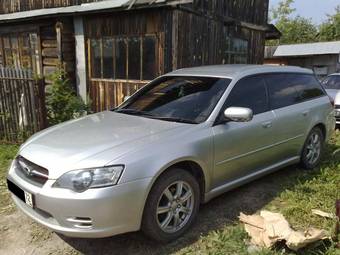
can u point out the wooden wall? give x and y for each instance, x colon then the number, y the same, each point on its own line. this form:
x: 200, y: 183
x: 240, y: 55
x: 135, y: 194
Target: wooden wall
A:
x: 208, y: 42
x: 252, y: 11
x: 10, y: 6
x: 106, y: 93
x: 189, y: 39
x: 50, y: 50
x: 58, y: 50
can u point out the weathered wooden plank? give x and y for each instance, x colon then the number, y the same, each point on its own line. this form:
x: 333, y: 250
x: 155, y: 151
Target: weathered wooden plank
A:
x: 50, y: 52
x: 49, y: 43
x: 51, y: 62
x: 19, y: 111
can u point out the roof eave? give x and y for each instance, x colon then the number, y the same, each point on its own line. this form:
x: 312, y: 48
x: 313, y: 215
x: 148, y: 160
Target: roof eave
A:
x: 102, y: 6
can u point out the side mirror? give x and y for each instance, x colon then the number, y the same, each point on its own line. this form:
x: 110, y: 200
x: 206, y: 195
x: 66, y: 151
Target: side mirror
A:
x: 238, y: 114
x: 126, y: 98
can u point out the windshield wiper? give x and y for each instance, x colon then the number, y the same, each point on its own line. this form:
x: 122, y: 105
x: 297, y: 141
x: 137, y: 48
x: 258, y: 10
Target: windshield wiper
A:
x: 133, y: 112
x: 151, y: 116
x: 174, y: 119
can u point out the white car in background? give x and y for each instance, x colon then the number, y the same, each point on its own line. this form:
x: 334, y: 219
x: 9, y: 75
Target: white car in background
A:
x: 332, y: 87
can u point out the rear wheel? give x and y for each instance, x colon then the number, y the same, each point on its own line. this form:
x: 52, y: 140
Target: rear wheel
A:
x: 172, y: 205
x: 313, y: 149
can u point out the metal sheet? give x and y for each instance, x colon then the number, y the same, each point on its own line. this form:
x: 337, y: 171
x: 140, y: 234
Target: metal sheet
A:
x: 322, y: 48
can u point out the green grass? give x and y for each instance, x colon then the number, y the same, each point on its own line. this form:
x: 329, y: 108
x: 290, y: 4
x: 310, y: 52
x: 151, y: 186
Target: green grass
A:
x: 292, y: 191
x: 7, y: 153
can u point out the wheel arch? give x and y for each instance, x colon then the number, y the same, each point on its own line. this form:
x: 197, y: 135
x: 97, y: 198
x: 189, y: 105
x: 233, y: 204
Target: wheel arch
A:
x: 187, y: 164
x: 322, y: 127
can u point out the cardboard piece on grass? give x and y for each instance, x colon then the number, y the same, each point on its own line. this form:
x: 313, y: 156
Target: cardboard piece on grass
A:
x: 298, y: 240
x: 323, y: 214
x: 268, y: 228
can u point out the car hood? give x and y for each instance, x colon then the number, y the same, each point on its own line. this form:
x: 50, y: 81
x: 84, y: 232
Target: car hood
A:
x: 80, y: 143
x: 332, y: 93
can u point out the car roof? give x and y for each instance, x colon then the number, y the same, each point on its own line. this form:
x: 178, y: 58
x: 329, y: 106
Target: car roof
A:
x: 234, y: 71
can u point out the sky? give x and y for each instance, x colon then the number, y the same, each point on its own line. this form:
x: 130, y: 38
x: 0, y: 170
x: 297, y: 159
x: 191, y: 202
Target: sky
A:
x: 315, y: 9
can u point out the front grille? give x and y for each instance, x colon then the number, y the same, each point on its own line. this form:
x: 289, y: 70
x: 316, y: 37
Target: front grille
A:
x: 337, y: 106
x: 30, y: 172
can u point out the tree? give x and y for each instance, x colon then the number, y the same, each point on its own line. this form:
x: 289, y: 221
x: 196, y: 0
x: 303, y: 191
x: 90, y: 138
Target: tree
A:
x: 62, y: 103
x: 330, y: 29
x: 294, y: 29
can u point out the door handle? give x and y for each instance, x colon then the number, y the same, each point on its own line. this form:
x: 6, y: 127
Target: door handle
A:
x: 268, y: 124
x: 305, y: 113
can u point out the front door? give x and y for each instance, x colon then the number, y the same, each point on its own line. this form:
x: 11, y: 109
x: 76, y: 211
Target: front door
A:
x: 244, y: 148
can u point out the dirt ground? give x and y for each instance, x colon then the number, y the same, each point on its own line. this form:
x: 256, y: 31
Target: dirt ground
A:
x: 20, y: 235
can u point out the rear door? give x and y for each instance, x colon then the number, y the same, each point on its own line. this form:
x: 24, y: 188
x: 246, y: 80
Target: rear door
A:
x: 243, y: 148
x: 290, y: 99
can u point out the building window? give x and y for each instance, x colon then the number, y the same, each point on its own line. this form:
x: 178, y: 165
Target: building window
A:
x: 125, y: 58
x: 17, y: 50
x: 236, y: 51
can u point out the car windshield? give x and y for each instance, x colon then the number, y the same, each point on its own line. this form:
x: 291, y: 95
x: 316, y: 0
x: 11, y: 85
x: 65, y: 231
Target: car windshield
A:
x: 332, y: 82
x: 178, y: 99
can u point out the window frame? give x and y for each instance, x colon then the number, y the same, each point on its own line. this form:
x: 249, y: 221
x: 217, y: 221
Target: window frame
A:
x: 301, y: 101
x: 20, y: 58
x: 220, y: 117
x: 125, y: 38
x: 156, y: 81
x: 230, y: 52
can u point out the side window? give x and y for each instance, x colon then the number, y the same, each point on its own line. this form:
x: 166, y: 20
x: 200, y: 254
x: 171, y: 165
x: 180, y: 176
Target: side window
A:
x: 309, y: 87
x: 251, y: 93
x: 289, y: 89
x: 282, y: 91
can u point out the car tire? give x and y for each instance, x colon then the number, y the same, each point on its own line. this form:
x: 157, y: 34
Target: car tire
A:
x: 167, y: 216
x: 313, y: 149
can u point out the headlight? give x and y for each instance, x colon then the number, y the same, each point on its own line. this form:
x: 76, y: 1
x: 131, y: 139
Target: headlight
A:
x: 81, y: 180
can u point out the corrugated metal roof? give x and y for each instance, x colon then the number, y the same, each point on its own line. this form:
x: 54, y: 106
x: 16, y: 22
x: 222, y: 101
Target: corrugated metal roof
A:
x: 86, y: 7
x: 322, y: 48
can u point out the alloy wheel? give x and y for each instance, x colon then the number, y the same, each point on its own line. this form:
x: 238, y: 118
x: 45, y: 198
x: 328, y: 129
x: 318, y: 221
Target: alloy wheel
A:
x: 313, y: 148
x: 175, y: 206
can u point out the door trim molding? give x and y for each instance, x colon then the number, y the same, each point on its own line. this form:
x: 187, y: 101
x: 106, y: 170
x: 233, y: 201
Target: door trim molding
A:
x: 258, y: 150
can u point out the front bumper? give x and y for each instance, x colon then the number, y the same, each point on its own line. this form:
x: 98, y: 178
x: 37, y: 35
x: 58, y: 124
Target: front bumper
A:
x: 94, y: 213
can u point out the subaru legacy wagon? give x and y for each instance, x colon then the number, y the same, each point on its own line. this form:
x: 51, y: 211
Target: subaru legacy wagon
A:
x: 183, y: 139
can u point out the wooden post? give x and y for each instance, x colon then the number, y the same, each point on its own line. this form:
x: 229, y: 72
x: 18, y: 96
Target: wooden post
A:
x: 81, y: 76
x: 58, y: 28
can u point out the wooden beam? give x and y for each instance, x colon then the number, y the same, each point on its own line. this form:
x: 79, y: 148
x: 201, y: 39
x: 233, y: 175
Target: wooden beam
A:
x: 81, y: 75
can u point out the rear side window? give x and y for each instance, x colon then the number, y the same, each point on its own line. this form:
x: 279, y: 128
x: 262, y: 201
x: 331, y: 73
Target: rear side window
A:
x: 289, y: 89
x: 310, y: 87
x: 251, y: 93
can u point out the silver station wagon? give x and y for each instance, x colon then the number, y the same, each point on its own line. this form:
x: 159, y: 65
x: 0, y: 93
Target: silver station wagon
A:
x: 180, y: 141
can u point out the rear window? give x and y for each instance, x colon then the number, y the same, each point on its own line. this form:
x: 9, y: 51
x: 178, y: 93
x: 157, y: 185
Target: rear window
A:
x: 289, y: 89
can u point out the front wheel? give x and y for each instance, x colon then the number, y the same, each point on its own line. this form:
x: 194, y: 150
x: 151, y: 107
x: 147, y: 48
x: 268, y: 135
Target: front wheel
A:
x: 313, y: 149
x: 172, y: 205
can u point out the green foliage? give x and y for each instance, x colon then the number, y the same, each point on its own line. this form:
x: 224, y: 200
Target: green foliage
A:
x: 294, y: 29
x: 330, y: 29
x: 62, y: 103
x: 283, y: 11
x: 7, y: 153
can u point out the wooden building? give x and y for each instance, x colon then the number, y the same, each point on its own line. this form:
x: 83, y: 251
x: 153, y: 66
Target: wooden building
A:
x: 322, y: 57
x: 111, y: 48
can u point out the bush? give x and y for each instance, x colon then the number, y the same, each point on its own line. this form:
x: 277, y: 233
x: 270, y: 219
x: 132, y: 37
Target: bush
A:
x: 62, y: 102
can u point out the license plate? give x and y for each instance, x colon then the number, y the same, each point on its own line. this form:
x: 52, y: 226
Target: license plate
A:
x: 29, y: 199
x: 25, y: 196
